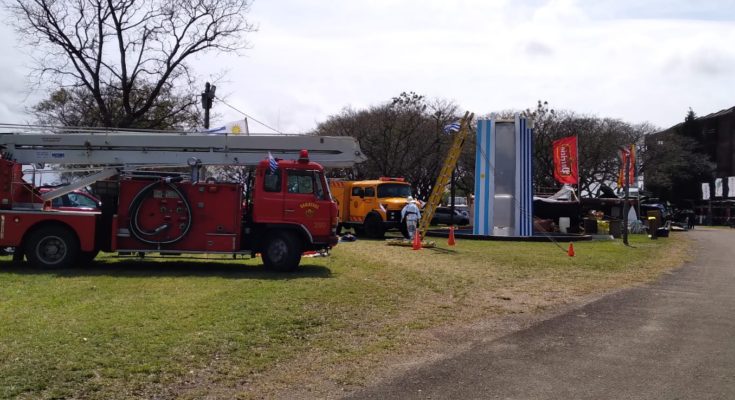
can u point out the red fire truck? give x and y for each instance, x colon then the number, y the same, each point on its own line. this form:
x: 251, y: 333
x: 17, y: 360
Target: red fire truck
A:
x: 283, y: 210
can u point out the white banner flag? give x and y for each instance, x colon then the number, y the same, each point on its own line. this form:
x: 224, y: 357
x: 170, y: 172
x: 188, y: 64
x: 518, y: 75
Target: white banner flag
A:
x: 705, y: 191
x: 718, y: 187
x: 731, y: 186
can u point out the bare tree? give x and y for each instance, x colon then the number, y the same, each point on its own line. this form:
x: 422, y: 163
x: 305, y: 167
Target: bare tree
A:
x: 125, y: 54
x: 599, y: 141
x: 402, y: 138
x: 405, y: 138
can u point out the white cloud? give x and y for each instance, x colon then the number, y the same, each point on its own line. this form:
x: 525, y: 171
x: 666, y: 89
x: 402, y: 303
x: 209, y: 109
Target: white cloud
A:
x: 15, y: 93
x: 620, y: 59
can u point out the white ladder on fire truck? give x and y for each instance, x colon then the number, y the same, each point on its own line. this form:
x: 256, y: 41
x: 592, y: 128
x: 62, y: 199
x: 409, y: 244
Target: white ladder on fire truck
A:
x: 450, y: 162
x: 113, y: 149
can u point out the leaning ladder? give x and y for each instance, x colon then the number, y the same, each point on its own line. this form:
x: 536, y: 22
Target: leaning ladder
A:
x: 450, y: 162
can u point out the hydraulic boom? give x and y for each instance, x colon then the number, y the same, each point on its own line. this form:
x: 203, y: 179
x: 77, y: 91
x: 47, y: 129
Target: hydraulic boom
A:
x: 31, y: 145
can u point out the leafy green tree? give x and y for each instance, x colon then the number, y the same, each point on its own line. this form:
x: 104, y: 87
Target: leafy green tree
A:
x: 675, y: 162
x: 76, y: 107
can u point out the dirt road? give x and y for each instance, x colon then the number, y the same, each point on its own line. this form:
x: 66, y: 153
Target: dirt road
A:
x: 671, y: 339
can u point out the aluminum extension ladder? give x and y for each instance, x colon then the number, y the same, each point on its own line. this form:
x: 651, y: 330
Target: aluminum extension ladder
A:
x: 450, y: 162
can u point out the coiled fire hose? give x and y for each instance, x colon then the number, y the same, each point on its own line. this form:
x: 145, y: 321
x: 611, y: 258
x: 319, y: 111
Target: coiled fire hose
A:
x: 134, y: 211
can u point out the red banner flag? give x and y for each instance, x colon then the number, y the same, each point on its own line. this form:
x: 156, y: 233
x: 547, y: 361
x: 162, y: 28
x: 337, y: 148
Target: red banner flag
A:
x: 627, y: 157
x: 565, y: 160
x: 631, y: 160
x: 623, y: 162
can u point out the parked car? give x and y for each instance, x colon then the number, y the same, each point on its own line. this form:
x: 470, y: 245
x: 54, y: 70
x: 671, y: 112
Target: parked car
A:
x: 660, y: 207
x: 74, y: 201
x: 443, y: 216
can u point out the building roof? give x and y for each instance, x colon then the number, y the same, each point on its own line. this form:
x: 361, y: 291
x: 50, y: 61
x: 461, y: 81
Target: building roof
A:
x: 718, y: 113
x: 708, y: 116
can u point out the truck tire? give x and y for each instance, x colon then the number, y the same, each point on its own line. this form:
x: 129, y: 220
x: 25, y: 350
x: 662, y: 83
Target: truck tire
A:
x: 282, y: 251
x: 52, y: 247
x: 374, y: 228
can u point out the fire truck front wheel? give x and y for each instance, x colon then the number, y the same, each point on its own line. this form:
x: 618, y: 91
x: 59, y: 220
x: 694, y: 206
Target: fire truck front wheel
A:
x: 374, y: 228
x: 282, y: 251
x: 52, y: 247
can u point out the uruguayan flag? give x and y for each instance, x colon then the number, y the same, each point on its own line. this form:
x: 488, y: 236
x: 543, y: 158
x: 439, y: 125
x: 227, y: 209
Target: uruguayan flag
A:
x: 272, y: 163
x: 231, y: 128
x: 453, y: 127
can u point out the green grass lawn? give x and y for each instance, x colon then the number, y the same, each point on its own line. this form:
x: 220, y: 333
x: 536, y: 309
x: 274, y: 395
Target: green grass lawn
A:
x: 226, y: 328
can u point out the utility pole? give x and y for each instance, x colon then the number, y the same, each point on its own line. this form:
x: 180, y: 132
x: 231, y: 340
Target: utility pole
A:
x: 207, y: 99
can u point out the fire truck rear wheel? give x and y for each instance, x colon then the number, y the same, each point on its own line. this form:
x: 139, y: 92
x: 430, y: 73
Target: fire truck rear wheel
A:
x: 52, y: 247
x: 282, y: 251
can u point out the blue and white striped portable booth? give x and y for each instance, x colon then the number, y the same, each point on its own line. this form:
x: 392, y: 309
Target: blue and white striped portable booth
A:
x: 503, y: 178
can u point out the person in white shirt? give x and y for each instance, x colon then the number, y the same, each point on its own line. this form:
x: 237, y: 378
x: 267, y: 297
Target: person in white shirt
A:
x: 412, y: 215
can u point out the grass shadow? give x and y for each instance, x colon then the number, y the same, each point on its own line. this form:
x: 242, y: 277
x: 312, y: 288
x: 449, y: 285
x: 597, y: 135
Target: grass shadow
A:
x: 142, y: 268
x: 441, y: 250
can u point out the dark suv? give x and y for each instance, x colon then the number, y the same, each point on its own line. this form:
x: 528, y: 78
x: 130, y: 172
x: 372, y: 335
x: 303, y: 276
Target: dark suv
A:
x: 442, y: 216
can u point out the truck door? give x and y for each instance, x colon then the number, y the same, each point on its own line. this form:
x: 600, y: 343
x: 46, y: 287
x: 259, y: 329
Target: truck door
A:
x: 356, y: 210
x: 307, y: 201
x: 371, y: 202
x: 269, y: 205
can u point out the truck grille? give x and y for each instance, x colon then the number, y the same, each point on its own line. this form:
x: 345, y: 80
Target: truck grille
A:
x: 394, y: 216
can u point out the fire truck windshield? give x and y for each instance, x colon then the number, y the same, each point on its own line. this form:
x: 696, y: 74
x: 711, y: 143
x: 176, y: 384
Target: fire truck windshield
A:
x: 394, y: 190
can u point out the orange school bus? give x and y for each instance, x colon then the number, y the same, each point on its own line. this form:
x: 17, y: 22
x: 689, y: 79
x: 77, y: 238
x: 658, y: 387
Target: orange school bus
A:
x: 371, y: 207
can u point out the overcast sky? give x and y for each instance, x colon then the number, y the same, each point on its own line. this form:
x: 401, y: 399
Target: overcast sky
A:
x: 635, y: 60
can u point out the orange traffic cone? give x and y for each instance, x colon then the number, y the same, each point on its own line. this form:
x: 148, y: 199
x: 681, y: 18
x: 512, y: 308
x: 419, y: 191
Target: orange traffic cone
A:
x: 416, y: 241
x: 570, y: 251
x: 451, y: 241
